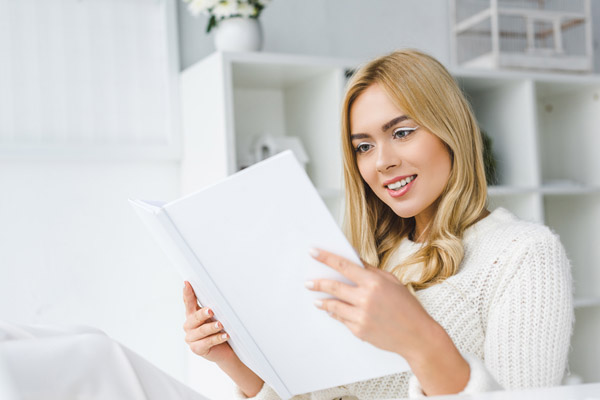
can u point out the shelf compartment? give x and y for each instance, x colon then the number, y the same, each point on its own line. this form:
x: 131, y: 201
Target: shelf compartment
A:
x: 505, y: 110
x: 575, y: 220
x: 585, y: 352
x: 525, y: 205
x: 569, y: 125
x: 297, y: 103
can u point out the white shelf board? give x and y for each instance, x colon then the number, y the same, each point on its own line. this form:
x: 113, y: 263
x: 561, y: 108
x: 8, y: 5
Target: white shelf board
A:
x: 506, y: 190
x: 477, y: 79
x: 568, y: 188
x: 274, y: 76
x: 260, y: 70
x: 582, y: 302
x: 264, y: 58
x: 552, y: 189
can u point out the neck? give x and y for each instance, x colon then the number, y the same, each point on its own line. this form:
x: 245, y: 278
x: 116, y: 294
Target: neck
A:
x: 422, y: 223
x: 418, y: 234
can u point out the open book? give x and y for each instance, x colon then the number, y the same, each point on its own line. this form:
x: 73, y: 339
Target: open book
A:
x: 243, y: 244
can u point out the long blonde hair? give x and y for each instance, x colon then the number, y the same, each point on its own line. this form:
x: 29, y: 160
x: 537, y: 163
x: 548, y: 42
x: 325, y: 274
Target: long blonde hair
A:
x: 421, y: 86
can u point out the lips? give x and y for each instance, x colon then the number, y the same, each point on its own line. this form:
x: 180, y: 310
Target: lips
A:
x: 399, y: 182
x: 399, y: 187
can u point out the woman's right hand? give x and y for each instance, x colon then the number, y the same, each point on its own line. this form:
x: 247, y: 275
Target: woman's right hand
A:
x: 203, y: 334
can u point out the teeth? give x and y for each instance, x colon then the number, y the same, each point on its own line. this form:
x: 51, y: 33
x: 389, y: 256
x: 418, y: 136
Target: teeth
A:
x: 402, y: 183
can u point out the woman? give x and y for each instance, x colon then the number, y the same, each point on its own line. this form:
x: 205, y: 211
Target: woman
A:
x: 474, y: 301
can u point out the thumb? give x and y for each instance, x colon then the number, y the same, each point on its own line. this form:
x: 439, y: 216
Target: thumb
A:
x: 189, y: 299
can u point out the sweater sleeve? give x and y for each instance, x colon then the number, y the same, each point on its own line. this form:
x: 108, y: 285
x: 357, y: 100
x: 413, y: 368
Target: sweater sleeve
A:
x: 480, y: 380
x: 529, y: 324
x: 266, y: 393
x: 530, y: 321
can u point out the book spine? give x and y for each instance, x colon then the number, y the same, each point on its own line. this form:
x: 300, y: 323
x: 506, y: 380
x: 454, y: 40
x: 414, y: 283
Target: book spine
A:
x: 209, y: 295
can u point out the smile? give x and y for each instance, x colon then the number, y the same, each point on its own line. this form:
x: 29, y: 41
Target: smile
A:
x: 400, y: 187
x: 401, y: 183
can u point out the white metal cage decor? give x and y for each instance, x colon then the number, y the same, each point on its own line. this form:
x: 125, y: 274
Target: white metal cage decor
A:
x: 535, y: 34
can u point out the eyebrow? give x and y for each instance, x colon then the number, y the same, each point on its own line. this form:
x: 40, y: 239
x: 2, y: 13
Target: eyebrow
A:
x: 384, y: 128
x: 393, y: 122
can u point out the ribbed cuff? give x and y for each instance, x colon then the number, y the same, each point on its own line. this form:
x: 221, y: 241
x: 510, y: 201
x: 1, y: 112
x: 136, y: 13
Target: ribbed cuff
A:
x: 480, y: 380
x: 266, y: 393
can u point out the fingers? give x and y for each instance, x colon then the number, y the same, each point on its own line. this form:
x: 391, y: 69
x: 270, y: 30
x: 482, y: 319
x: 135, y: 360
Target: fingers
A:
x: 203, y: 331
x: 350, y: 270
x: 202, y: 347
x: 335, y: 288
x: 189, y: 299
x: 197, y: 318
x: 387, y: 275
x: 339, y: 310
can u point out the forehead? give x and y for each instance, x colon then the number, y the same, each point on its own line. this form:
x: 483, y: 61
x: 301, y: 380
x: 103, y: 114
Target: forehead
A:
x: 373, y: 108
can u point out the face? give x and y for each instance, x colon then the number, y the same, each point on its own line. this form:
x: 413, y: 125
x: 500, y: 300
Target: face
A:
x: 405, y: 165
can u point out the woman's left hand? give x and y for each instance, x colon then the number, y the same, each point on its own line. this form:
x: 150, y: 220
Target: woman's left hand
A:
x: 379, y: 309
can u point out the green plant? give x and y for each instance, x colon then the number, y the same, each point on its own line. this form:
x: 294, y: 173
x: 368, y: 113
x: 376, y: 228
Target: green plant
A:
x: 489, y: 160
x: 218, y: 10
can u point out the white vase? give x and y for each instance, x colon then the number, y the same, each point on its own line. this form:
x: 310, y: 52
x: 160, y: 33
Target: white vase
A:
x: 239, y: 34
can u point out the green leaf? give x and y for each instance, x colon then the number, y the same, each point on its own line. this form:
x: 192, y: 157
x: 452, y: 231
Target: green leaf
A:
x: 212, y: 22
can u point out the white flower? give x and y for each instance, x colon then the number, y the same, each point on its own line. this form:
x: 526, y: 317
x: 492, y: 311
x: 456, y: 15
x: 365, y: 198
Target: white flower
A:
x: 198, y: 6
x: 246, y: 10
x: 225, y: 9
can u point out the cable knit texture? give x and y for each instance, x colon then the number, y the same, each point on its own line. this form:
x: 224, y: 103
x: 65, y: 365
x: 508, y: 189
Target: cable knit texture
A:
x: 509, y: 311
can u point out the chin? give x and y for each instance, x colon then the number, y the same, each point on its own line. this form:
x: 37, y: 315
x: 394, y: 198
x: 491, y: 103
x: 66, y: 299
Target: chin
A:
x: 404, y: 212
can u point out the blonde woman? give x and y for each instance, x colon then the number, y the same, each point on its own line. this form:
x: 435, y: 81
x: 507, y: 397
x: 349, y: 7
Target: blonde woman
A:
x: 474, y: 301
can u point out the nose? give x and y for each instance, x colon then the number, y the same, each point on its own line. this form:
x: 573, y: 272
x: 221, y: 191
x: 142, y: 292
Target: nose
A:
x: 386, y: 159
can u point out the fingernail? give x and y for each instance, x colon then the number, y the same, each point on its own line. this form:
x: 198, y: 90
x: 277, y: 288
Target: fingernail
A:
x: 217, y: 325
x: 207, y: 312
x: 309, y: 284
x: 224, y: 336
x: 318, y: 303
x: 313, y: 252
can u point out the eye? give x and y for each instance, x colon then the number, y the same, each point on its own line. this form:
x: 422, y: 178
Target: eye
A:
x: 363, y: 147
x: 401, y: 133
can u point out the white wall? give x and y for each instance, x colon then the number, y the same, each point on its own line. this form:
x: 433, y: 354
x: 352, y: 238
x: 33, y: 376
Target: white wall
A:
x: 346, y: 28
x: 340, y: 28
x: 87, y: 119
x: 72, y: 251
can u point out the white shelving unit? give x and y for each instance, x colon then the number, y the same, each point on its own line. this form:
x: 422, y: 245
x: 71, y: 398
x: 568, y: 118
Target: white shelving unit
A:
x: 232, y: 99
x: 545, y: 130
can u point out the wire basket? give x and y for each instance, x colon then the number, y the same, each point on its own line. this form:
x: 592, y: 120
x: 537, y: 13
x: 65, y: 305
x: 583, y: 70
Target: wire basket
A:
x: 531, y: 34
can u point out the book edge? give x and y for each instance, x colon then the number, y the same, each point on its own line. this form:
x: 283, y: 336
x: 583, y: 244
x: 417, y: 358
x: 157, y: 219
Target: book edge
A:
x: 253, y: 350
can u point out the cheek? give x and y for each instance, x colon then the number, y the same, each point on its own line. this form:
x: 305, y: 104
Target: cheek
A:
x: 442, y: 164
x: 365, y: 171
x: 435, y: 154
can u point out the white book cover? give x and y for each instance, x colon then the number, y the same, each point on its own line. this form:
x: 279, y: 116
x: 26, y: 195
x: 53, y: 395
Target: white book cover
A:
x: 243, y: 243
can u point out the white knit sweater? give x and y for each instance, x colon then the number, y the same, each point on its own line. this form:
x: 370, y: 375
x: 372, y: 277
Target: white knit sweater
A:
x: 508, y: 310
